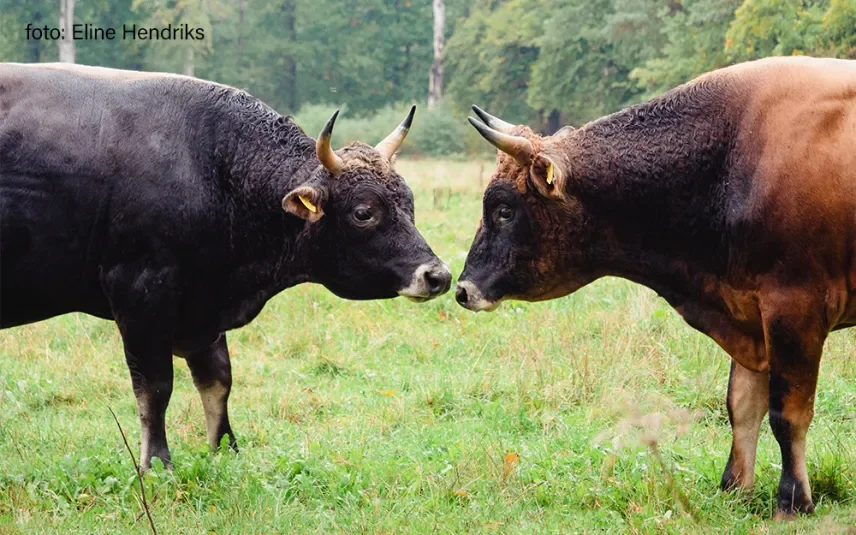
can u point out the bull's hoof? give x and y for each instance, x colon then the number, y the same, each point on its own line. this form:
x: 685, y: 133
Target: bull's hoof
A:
x: 787, y: 512
x: 732, y: 480
x: 785, y: 515
x: 729, y: 482
x: 163, y: 456
x: 792, y: 503
x: 233, y: 444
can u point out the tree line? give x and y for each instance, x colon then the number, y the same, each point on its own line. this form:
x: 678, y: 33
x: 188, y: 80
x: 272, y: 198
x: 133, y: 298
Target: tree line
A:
x: 570, y: 61
x: 541, y: 62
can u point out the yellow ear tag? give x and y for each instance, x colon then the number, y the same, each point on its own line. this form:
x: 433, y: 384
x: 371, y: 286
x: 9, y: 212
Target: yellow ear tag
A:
x: 550, y: 173
x: 309, y: 206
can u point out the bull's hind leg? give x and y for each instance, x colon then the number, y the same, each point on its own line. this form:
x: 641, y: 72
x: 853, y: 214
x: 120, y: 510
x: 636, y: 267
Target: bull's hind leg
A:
x: 212, y: 375
x: 794, y: 335
x: 747, y: 402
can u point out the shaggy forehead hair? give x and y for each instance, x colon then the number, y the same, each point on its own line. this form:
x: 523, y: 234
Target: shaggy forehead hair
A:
x: 507, y: 168
x: 358, y: 155
x: 363, y: 160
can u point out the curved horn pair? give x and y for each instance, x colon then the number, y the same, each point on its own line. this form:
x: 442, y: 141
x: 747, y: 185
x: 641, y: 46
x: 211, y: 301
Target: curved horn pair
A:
x: 498, y: 133
x: 387, y: 148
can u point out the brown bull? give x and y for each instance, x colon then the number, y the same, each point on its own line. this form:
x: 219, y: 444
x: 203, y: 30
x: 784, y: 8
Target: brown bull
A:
x: 733, y: 197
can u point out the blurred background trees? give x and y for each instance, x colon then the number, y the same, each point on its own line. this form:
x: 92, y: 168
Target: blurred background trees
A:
x: 542, y: 62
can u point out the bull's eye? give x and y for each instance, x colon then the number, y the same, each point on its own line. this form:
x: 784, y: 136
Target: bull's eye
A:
x: 362, y: 215
x: 503, y: 214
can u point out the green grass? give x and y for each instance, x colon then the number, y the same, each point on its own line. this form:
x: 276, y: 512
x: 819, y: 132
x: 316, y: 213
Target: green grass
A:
x: 391, y: 417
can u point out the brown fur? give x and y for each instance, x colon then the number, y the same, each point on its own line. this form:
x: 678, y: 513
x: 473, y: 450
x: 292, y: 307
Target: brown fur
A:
x: 734, y: 197
x: 748, y: 398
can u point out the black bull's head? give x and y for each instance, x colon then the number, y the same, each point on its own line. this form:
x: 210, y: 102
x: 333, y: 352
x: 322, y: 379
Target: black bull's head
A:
x: 361, y: 222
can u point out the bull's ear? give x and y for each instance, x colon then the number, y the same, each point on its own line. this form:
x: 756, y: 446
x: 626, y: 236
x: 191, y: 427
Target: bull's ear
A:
x: 546, y: 176
x: 306, y: 202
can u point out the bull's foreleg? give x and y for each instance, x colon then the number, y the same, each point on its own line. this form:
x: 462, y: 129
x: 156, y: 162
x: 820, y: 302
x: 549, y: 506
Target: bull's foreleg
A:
x: 151, y: 375
x: 794, y: 345
x: 747, y: 403
x: 141, y: 298
x: 212, y: 375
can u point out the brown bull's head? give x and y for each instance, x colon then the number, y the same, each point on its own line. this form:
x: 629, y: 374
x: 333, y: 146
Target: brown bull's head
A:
x: 531, y: 238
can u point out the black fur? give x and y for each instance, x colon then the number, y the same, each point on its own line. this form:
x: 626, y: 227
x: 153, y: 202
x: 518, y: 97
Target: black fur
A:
x: 156, y: 201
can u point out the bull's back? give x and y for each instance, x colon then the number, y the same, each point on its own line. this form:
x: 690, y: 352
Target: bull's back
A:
x: 84, y: 155
x: 77, y: 121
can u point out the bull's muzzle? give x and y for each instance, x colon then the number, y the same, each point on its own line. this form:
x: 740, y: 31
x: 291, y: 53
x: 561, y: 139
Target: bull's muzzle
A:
x: 429, y: 281
x: 470, y: 297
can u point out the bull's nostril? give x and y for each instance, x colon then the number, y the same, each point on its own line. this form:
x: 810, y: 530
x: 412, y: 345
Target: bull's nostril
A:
x: 438, y: 280
x: 432, y: 281
x: 461, y: 295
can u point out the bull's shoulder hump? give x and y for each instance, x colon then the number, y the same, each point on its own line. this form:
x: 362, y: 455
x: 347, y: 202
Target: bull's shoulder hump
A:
x: 786, y: 73
x: 794, y: 64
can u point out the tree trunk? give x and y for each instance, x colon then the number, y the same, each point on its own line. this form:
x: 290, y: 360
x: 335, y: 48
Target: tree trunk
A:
x: 66, y: 20
x: 554, y: 122
x: 189, y: 65
x: 435, y: 77
x: 34, y: 46
x: 290, y: 62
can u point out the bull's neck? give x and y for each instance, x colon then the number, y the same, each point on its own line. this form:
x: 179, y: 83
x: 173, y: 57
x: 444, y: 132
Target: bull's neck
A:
x: 261, y: 156
x: 652, y: 177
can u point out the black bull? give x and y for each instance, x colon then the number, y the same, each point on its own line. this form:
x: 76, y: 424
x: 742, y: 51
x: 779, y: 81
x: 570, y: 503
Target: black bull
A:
x: 178, y: 208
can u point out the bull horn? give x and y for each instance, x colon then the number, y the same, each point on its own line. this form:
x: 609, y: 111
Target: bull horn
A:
x: 391, y: 143
x: 329, y: 159
x: 494, y: 122
x: 517, y: 147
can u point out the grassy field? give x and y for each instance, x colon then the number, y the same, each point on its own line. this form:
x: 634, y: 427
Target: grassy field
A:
x: 601, y: 412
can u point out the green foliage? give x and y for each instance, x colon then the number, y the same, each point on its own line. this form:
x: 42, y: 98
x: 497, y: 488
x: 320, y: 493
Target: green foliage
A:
x: 774, y: 28
x: 694, y: 44
x: 541, y: 62
x: 839, y: 25
x: 368, y: 53
x: 173, y: 55
x: 125, y: 54
x: 371, y: 130
x: 585, y: 74
x: 435, y: 132
x: 586, y: 58
x: 16, y: 14
x: 488, y: 58
x: 438, y: 133
x: 788, y: 27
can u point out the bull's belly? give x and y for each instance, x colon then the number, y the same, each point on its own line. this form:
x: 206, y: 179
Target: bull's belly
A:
x: 45, y: 241
x: 15, y: 311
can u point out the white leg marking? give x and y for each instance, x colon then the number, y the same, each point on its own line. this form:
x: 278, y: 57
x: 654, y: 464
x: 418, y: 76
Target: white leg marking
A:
x: 145, y: 431
x: 214, y: 404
